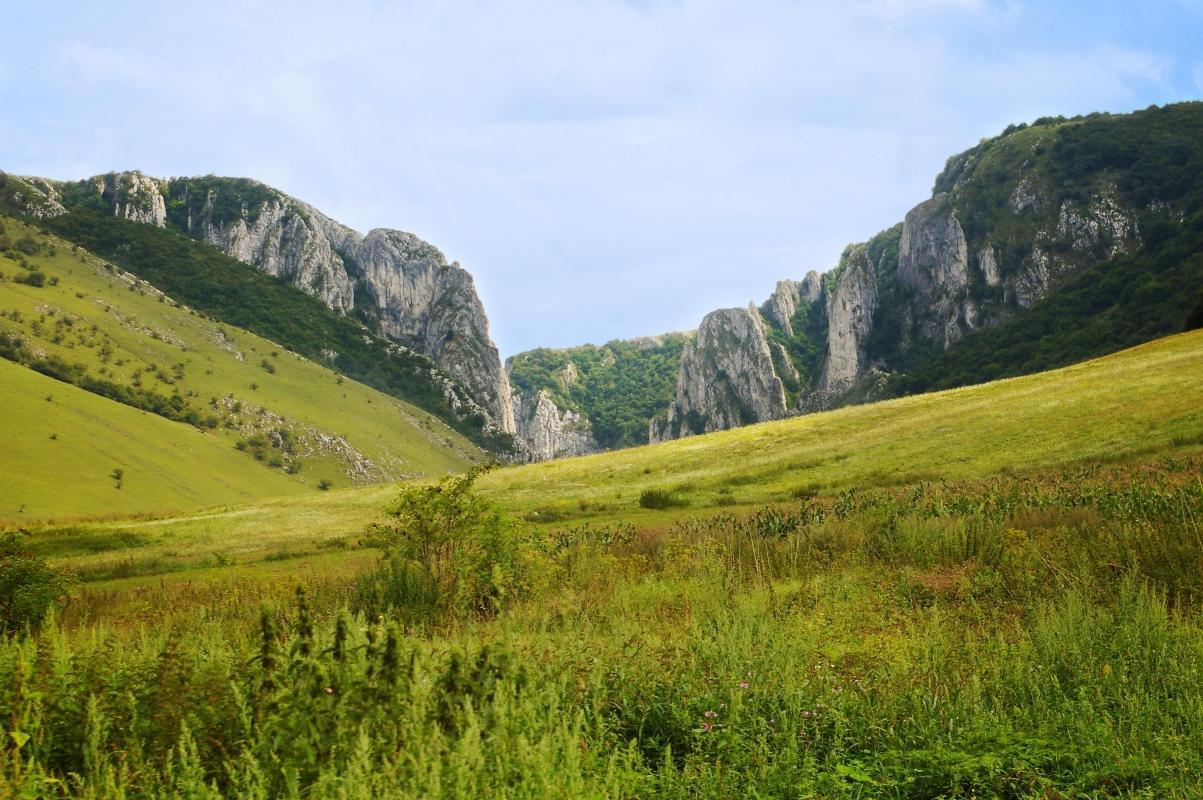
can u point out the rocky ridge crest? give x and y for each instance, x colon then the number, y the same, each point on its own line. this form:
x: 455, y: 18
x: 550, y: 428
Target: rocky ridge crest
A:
x: 390, y: 277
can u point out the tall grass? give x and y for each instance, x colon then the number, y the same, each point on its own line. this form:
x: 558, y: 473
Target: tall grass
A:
x: 1022, y: 637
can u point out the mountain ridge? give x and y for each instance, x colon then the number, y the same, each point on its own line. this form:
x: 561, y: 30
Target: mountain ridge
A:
x: 1049, y: 243
x: 395, y: 283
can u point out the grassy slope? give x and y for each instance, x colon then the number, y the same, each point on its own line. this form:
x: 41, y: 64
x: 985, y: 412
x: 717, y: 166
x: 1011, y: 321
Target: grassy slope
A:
x: 1143, y: 400
x: 142, y: 331
x: 1139, y: 399
x: 168, y: 465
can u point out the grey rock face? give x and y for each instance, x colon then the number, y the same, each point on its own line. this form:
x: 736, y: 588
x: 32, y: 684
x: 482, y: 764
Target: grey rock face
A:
x: 933, y: 263
x: 850, y: 310
x: 547, y: 431
x: 727, y: 378
x: 1026, y: 197
x: 455, y: 334
x: 783, y: 304
x: 1104, y: 226
x: 1101, y: 229
x: 787, y: 297
x: 988, y: 265
x: 811, y: 287
x: 284, y: 243
x: 35, y: 197
x: 421, y: 301
x: 133, y: 196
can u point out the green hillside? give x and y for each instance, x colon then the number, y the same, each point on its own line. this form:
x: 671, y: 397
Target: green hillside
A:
x: 286, y: 423
x: 1146, y: 400
x: 62, y: 445
x: 985, y: 592
x: 619, y: 386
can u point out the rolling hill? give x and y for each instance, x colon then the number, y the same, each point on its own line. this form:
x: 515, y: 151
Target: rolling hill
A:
x: 253, y: 418
x: 1142, y: 402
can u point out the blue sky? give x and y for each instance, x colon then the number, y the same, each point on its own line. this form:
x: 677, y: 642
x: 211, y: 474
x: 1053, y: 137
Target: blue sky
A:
x: 605, y: 169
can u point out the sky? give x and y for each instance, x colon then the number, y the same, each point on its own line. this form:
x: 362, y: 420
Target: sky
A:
x: 605, y: 169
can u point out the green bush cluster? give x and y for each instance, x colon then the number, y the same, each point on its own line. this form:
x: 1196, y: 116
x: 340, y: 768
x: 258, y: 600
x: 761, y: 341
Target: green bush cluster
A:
x: 29, y: 588
x: 445, y: 551
x: 657, y: 498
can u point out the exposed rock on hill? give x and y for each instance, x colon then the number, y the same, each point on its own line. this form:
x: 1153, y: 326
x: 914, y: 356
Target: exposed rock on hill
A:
x: 133, y: 196
x: 726, y: 378
x: 547, y: 431
x: 31, y: 197
x: 933, y: 266
x: 850, y: 308
x: 390, y: 278
x: 1010, y: 224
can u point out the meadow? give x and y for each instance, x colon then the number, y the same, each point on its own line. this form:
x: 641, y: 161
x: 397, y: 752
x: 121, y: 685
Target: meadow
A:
x: 989, y: 592
x: 220, y: 397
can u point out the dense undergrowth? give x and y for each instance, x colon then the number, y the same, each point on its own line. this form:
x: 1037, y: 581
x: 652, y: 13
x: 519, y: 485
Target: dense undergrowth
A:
x: 1032, y: 635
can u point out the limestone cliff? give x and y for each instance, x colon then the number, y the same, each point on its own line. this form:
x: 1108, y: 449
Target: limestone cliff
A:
x: 726, y: 378
x: 787, y: 297
x: 850, y: 307
x: 133, y: 196
x: 390, y: 278
x: 1003, y: 230
x: 933, y: 267
x: 546, y: 431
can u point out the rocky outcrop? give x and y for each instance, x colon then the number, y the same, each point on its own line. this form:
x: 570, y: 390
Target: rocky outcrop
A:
x: 280, y: 240
x: 726, y: 378
x: 392, y: 277
x: 783, y: 304
x: 787, y: 297
x: 933, y: 267
x: 1104, y: 228
x: 850, y: 308
x: 133, y: 196
x: 31, y: 197
x: 433, y: 308
x: 547, y: 431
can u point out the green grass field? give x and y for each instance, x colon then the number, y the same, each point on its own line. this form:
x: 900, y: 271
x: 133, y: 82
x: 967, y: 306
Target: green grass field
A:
x: 61, y: 445
x: 1142, y: 402
x: 123, y: 331
x: 992, y: 592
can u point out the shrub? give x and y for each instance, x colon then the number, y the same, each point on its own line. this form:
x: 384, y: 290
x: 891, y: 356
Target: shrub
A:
x: 445, y: 548
x: 1195, y: 320
x: 29, y: 588
x: 657, y: 498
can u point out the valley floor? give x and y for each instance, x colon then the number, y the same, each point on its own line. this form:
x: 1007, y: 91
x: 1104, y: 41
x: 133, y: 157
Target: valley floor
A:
x: 992, y: 592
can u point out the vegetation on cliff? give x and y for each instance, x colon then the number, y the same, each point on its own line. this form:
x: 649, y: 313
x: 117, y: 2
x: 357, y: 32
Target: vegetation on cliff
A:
x: 619, y: 386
